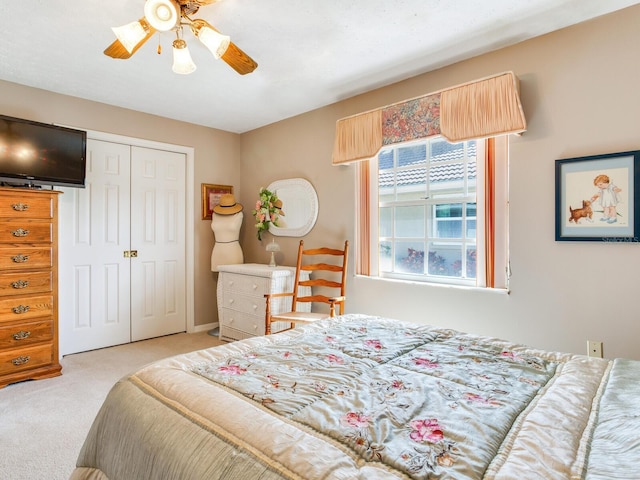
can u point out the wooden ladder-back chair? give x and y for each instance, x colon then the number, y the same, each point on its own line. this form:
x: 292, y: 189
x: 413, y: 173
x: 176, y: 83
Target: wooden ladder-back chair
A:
x: 328, y: 276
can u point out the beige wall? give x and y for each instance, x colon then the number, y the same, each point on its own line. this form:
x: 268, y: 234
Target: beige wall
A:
x: 579, y: 88
x: 580, y: 96
x: 217, y: 159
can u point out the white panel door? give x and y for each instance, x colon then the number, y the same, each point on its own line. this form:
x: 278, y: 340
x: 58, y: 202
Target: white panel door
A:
x: 158, y: 275
x: 94, y: 278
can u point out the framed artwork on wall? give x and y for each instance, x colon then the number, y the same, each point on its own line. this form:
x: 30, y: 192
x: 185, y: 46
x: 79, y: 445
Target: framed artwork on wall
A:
x: 211, y: 194
x: 597, y: 198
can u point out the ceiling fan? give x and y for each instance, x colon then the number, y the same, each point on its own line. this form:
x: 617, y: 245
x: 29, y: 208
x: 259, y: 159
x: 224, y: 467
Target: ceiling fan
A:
x: 166, y: 15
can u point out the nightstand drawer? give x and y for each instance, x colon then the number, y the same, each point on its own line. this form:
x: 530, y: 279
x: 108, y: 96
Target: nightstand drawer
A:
x: 238, y: 325
x: 18, y: 309
x: 21, y: 258
x: 253, y: 305
x: 28, y: 358
x: 25, y: 283
x: 26, y: 206
x: 25, y: 334
x: 251, y: 324
x: 245, y: 284
x: 24, y: 232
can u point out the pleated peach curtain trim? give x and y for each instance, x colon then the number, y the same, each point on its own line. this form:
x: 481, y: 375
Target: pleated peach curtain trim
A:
x: 358, y: 137
x: 486, y: 108
x: 479, y: 109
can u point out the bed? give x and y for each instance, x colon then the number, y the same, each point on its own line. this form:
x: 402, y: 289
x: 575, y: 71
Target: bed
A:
x: 365, y: 397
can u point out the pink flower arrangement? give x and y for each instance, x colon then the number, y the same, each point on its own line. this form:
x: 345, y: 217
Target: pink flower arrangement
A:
x: 268, y: 210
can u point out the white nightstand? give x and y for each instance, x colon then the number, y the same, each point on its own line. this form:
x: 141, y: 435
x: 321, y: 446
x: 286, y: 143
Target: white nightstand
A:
x: 241, y: 302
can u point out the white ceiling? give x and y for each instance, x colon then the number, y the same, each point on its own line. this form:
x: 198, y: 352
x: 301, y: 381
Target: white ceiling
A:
x: 310, y: 53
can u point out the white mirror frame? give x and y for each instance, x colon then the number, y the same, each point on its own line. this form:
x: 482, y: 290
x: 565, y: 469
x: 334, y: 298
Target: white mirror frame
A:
x: 299, y: 204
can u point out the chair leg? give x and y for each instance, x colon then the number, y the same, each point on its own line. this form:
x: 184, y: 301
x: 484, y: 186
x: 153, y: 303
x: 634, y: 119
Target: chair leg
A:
x: 267, y: 319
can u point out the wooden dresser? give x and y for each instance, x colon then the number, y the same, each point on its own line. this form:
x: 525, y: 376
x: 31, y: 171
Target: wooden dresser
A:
x: 28, y: 285
x: 241, y: 302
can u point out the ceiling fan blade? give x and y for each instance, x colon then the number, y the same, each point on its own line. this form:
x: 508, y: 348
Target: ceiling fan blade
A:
x: 117, y: 50
x: 198, y: 2
x: 238, y: 60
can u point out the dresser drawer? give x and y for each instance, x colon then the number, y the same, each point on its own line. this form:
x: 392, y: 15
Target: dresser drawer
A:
x: 245, y: 284
x: 25, y: 334
x: 253, y: 305
x: 21, y: 359
x: 18, y: 309
x: 252, y: 325
x: 26, y: 206
x: 25, y: 283
x: 238, y: 325
x: 26, y: 232
x: 19, y: 258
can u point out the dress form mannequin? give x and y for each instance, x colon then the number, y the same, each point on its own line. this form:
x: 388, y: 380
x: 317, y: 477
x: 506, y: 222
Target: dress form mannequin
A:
x: 226, y: 221
x: 226, y: 250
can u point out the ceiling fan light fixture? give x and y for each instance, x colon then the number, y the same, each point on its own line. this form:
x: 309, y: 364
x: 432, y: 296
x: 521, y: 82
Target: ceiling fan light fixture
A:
x: 163, y: 15
x: 214, y: 41
x: 182, y: 61
x: 130, y: 35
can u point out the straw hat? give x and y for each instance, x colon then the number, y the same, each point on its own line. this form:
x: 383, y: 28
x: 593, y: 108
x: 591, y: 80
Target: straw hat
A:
x: 278, y: 204
x: 227, y: 205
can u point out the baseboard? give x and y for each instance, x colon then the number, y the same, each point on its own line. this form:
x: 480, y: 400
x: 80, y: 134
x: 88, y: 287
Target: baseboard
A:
x: 206, y: 327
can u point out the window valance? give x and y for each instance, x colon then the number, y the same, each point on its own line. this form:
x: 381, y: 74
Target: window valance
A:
x: 483, y: 108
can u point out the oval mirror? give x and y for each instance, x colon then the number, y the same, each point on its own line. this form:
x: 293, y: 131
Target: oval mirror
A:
x: 299, y: 204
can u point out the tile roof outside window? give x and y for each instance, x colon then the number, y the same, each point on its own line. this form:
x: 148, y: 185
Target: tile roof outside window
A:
x: 446, y: 164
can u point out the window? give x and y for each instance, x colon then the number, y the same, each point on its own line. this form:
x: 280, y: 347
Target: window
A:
x: 432, y: 213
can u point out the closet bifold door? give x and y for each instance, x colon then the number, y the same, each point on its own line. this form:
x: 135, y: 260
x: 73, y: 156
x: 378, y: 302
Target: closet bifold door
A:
x: 94, y: 273
x: 158, y: 299
x: 123, y: 254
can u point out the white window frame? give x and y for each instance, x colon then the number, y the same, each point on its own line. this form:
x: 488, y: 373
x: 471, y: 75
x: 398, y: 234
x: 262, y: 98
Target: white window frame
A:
x: 500, y: 218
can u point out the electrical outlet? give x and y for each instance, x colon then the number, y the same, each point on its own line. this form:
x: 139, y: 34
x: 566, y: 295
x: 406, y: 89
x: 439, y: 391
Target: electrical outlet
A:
x: 594, y: 349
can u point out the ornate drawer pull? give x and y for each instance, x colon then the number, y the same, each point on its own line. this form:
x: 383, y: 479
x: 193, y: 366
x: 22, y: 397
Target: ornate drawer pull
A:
x: 20, y: 309
x: 20, y: 258
x: 21, y: 232
x: 21, y: 360
x: 20, y: 207
x: 21, y: 335
x: 20, y: 284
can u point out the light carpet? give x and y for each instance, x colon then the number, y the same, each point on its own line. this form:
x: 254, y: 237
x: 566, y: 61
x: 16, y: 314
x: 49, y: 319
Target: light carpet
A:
x: 43, y: 423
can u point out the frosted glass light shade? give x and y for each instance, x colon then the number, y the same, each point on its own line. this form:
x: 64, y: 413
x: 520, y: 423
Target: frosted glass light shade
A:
x: 163, y: 15
x: 130, y: 35
x: 182, y: 62
x: 214, y: 41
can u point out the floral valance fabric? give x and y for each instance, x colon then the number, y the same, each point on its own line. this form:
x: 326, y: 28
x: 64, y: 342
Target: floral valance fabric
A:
x: 479, y: 109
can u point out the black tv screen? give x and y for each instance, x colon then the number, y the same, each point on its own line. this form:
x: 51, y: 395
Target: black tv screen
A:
x: 34, y: 153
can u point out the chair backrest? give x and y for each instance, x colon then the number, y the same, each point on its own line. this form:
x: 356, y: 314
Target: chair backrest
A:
x: 331, y: 277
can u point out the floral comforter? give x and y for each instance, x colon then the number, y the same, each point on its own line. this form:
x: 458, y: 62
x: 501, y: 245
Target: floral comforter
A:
x: 362, y: 397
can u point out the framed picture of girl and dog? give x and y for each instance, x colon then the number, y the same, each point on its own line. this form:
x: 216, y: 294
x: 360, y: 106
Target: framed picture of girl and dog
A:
x: 597, y: 198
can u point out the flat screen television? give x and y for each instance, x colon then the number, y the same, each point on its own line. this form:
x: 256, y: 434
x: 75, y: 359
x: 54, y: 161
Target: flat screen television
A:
x: 34, y: 154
